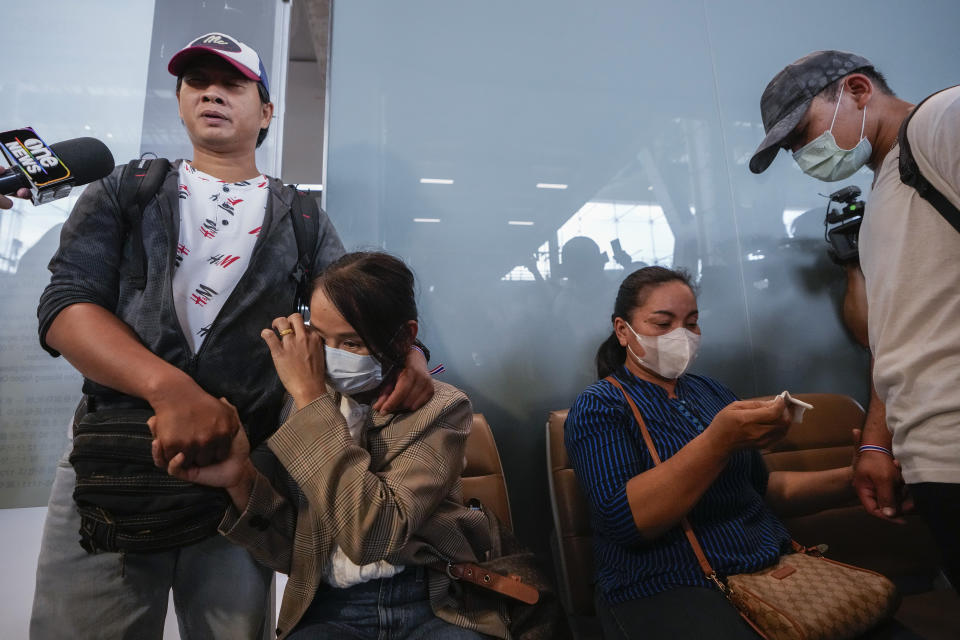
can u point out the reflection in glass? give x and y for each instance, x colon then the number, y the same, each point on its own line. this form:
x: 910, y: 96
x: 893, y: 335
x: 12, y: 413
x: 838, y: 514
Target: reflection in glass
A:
x: 23, y: 226
x: 645, y: 113
x: 89, y: 83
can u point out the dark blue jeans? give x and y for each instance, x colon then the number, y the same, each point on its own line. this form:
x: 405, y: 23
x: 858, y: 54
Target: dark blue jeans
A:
x: 697, y: 612
x: 939, y: 506
x: 396, y: 608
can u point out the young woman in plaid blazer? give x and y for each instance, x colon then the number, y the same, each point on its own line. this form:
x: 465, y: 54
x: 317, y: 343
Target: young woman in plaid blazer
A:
x: 359, y: 507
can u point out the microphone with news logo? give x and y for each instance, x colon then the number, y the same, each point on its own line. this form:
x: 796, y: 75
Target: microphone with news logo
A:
x: 50, y: 172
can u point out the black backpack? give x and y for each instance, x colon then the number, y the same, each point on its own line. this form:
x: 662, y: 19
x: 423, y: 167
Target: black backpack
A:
x: 140, y: 182
x: 910, y: 174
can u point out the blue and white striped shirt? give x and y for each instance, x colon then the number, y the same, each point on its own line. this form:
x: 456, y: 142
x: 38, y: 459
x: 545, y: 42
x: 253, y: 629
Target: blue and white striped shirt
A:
x: 737, y: 530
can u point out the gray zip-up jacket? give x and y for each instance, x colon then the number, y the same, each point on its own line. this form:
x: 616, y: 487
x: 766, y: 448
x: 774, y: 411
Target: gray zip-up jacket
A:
x: 233, y: 360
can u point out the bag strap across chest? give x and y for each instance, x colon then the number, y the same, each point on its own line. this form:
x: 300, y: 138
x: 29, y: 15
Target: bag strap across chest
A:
x: 705, y: 566
x: 139, y: 183
x: 911, y: 176
x: 685, y: 523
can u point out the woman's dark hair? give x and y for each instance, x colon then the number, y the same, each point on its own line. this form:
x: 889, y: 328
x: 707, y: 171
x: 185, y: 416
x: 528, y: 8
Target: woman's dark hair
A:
x: 374, y: 292
x: 632, y: 294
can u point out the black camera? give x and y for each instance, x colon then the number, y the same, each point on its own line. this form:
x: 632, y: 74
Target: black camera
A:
x: 841, y: 226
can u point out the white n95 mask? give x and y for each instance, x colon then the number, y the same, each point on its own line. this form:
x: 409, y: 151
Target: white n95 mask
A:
x: 668, y: 355
x: 823, y: 159
x: 350, y: 373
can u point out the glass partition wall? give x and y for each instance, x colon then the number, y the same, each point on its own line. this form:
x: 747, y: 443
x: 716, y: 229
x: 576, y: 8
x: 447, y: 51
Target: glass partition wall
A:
x: 525, y: 156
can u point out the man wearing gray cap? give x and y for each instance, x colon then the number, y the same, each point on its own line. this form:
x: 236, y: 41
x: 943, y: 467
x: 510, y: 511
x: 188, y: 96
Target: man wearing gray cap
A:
x: 834, y: 111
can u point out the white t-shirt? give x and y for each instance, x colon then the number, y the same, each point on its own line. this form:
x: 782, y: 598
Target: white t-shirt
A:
x: 910, y: 258
x: 342, y: 571
x: 219, y: 225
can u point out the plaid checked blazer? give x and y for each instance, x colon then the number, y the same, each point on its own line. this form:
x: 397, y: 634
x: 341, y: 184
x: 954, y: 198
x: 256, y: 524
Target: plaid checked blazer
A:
x: 396, y: 496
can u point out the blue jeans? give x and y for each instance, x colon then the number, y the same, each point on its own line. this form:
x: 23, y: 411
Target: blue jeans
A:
x: 396, y: 608
x: 219, y: 591
x: 697, y: 612
x: 685, y: 612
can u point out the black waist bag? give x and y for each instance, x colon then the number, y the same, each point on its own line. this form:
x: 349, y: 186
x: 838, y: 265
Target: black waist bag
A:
x: 126, y: 503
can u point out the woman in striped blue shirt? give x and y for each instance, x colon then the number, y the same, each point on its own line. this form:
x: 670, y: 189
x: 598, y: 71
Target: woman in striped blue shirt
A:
x: 649, y: 582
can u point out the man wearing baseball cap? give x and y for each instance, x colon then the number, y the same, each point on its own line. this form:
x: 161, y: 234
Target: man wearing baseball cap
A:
x: 221, y: 251
x: 834, y: 111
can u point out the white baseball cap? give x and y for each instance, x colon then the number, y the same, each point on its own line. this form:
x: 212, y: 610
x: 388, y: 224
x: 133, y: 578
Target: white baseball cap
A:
x: 241, y: 56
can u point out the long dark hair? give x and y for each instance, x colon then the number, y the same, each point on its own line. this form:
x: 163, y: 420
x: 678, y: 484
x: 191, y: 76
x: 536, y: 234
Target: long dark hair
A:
x: 374, y: 292
x: 633, y: 293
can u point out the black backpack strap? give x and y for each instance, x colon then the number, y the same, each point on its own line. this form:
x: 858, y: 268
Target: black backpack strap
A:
x: 910, y: 174
x: 306, y: 227
x: 139, y: 183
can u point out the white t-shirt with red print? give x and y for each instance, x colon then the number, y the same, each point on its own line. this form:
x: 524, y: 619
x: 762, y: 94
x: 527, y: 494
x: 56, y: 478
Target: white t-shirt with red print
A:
x: 219, y: 225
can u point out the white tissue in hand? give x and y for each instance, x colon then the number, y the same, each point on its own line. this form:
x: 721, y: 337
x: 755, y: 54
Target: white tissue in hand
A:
x: 797, y: 407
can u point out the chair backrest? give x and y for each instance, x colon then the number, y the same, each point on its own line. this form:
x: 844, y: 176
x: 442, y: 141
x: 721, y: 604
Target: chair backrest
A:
x: 824, y: 440
x: 483, y: 474
x: 571, y: 521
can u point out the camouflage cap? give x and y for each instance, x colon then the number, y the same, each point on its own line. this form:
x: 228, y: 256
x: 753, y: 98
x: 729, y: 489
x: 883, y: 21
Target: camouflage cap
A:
x: 788, y: 96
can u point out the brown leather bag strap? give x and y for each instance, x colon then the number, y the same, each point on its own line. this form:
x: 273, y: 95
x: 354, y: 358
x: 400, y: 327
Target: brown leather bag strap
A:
x: 687, y: 529
x: 507, y: 585
x: 639, y: 418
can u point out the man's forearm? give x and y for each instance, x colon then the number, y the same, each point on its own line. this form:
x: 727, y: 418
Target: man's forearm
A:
x: 875, y: 429
x: 106, y: 350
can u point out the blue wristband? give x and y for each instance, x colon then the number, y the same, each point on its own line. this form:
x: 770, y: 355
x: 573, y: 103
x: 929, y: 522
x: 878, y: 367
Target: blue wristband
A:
x: 874, y: 447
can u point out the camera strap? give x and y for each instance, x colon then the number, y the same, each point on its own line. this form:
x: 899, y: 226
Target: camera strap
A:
x: 911, y: 176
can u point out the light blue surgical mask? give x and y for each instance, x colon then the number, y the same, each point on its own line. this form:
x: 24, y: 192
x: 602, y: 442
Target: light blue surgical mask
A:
x: 351, y: 373
x: 823, y: 159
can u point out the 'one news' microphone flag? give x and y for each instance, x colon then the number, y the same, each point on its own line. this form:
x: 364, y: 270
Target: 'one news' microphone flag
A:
x: 50, y: 172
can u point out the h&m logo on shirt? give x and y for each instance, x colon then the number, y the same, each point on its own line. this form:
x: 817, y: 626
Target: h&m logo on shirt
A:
x: 202, y: 295
x: 222, y: 260
x: 181, y: 252
x: 230, y: 204
x: 209, y: 228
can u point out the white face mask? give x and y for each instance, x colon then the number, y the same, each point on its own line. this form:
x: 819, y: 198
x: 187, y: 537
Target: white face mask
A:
x: 668, y: 355
x: 823, y: 159
x: 350, y: 373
